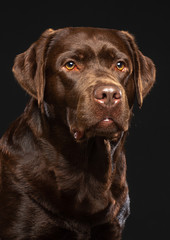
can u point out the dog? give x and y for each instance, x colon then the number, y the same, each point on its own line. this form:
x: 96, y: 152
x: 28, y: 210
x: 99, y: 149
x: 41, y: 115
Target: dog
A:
x: 62, y: 162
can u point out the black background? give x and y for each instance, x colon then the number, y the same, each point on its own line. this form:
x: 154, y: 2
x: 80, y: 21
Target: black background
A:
x: 148, y: 143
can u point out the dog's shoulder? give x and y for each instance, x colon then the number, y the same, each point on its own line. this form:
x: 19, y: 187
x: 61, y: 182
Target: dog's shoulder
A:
x: 21, y: 136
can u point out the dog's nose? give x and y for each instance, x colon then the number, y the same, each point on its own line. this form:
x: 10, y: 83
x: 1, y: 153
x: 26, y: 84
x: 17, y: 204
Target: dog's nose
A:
x: 107, y: 95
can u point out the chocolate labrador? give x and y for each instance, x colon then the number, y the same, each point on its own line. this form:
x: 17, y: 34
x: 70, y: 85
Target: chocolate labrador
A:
x: 62, y: 162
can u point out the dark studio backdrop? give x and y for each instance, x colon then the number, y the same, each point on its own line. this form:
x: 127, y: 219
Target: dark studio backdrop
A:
x: 148, y: 144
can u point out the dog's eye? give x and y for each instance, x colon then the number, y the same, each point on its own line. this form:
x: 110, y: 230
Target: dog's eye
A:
x: 120, y: 66
x: 70, y: 65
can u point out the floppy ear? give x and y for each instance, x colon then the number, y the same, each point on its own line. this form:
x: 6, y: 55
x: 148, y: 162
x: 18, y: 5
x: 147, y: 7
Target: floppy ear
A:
x: 144, y: 69
x: 29, y: 67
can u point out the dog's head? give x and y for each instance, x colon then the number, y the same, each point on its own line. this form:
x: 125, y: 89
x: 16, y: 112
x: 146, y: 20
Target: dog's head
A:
x: 87, y: 76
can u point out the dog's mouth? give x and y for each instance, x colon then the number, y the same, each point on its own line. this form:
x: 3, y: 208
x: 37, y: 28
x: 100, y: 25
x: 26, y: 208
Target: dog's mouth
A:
x: 106, y: 122
x: 108, y: 125
x: 105, y: 127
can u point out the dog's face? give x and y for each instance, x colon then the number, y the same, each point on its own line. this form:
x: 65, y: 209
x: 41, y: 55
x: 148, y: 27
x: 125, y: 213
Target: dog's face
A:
x: 87, y: 76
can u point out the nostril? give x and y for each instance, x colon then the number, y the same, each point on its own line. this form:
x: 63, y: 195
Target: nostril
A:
x: 104, y: 96
x: 99, y: 93
x: 117, y: 95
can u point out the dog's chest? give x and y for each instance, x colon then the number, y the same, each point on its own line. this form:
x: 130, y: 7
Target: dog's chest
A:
x: 84, y: 193
x: 85, y: 184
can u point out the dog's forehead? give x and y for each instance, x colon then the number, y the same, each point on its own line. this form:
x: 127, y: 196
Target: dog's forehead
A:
x: 96, y: 38
x: 91, y: 34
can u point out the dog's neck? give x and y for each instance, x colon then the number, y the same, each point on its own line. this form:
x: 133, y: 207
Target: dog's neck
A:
x: 96, y: 164
x: 96, y: 154
x: 58, y: 134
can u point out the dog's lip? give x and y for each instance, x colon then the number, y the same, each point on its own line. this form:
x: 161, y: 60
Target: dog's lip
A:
x: 105, y: 122
x: 77, y: 133
x: 107, y: 119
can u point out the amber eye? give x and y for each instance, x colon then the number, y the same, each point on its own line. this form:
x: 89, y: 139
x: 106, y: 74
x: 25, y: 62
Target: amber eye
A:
x: 120, y: 66
x: 70, y: 65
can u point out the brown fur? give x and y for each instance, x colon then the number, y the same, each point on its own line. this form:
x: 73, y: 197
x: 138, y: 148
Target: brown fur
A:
x: 62, y: 170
